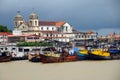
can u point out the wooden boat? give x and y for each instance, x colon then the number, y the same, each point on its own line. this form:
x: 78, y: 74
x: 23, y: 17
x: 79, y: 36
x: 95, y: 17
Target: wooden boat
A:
x: 99, y: 54
x: 82, y: 54
x: 114, y: 53
x: 48, y: 58
x: 52, y: 56
x: 54, y: 59
x: 71, y: 58
x: 5, y: 56
x: 34, y: 56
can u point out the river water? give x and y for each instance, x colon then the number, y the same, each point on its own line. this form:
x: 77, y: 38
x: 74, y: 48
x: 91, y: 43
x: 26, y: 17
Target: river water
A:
x: 80, y: 70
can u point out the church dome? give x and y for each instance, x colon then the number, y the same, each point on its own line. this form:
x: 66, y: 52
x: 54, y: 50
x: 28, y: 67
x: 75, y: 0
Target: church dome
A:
x: 18, y: 17
x: 33, y: 16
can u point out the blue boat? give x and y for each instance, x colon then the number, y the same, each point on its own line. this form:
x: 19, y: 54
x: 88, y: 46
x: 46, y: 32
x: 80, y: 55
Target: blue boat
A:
x: 81, y: 54
x: 114, y: 53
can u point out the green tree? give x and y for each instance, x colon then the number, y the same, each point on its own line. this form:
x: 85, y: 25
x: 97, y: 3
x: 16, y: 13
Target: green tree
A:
x: 34, y: 44
x: 4, y: 29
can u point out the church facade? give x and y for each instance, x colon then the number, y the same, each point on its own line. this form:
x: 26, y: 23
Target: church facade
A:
x: 55, y: 30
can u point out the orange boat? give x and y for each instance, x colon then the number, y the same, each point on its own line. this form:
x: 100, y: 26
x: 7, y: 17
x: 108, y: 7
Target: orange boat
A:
x: 53, y: 57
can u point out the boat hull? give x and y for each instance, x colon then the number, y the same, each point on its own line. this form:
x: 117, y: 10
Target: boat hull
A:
x: 34, y: 58
x: 97, y: 57
x: 5, y: 59
x: 71, y: 58
x: 82, y: 56
x: 115, y: 54
x: 51, y: 59
x: 19, y: 58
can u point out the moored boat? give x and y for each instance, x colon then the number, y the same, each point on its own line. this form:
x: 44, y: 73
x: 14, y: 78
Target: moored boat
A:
x: 18, y: 56
x: 82, y: 54
x: 71, y: 58
x: 51, y: 56
x: 114, y: 53
x: 5, y: 56
x: 34, y: 56
x: 99, y: 54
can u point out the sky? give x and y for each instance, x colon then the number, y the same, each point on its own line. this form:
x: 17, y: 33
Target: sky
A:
x: 102, y: 16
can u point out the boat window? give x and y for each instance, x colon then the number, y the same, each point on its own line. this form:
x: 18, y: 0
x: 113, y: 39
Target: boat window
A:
x: 13, y: 48
x: 20, y: 49
x: 6, y: 48
x: 26, y: 50
x: 36, y: 49
x: 1, y: 48
x: 4, y: 54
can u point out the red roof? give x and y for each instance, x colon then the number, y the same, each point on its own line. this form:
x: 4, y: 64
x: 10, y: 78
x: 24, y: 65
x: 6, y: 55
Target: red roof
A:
x: 51, y: 23
x: 5, y: 33
x: 22, y: 35
x: 90, y: 32
x: 60, y: 23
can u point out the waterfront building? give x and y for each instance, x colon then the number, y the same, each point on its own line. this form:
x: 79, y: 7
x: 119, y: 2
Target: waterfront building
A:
x: 89, y: 35
x: 4, y: 37
x: 113, y: 37
x: 38, y: 30
x: 55, y: 30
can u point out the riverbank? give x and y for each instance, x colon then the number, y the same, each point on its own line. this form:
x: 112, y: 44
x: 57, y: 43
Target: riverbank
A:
x: 80, y: 70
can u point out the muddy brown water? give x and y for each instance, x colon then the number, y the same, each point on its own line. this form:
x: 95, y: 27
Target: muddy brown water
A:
x: 80, y: 70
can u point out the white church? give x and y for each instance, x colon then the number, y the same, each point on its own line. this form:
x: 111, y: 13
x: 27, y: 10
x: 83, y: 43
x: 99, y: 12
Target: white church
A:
x: 55, y: 30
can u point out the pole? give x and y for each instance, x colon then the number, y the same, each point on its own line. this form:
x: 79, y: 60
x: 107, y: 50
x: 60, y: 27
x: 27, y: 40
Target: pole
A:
x: 85, y: 40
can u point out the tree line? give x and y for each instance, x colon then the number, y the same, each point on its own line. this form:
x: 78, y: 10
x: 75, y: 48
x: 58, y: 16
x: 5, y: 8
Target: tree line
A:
x: 20, y: 44
x: 4, y: 29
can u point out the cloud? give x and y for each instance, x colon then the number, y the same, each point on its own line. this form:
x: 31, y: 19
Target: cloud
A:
x: 82, y: 14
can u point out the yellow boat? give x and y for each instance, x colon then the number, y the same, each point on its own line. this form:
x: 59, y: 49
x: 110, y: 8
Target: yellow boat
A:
x: 83, y: 54
x: 84, y: 51
x: 52, y: 54
x: 99, y: 54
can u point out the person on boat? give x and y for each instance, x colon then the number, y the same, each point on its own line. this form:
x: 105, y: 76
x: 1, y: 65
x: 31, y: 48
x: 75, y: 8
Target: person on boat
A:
x: 71, y: 52
x: 59, y: 50
x: 105, y: 49
x: 41, y: 52
x: 65, y: 53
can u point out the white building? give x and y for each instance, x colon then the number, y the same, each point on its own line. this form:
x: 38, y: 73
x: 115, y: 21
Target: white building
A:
x: 4, y: 38
x: 89, y: 35
x: 55, y: 30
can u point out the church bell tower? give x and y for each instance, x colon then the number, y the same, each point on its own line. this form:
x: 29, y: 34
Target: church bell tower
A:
x: 18, y: 20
